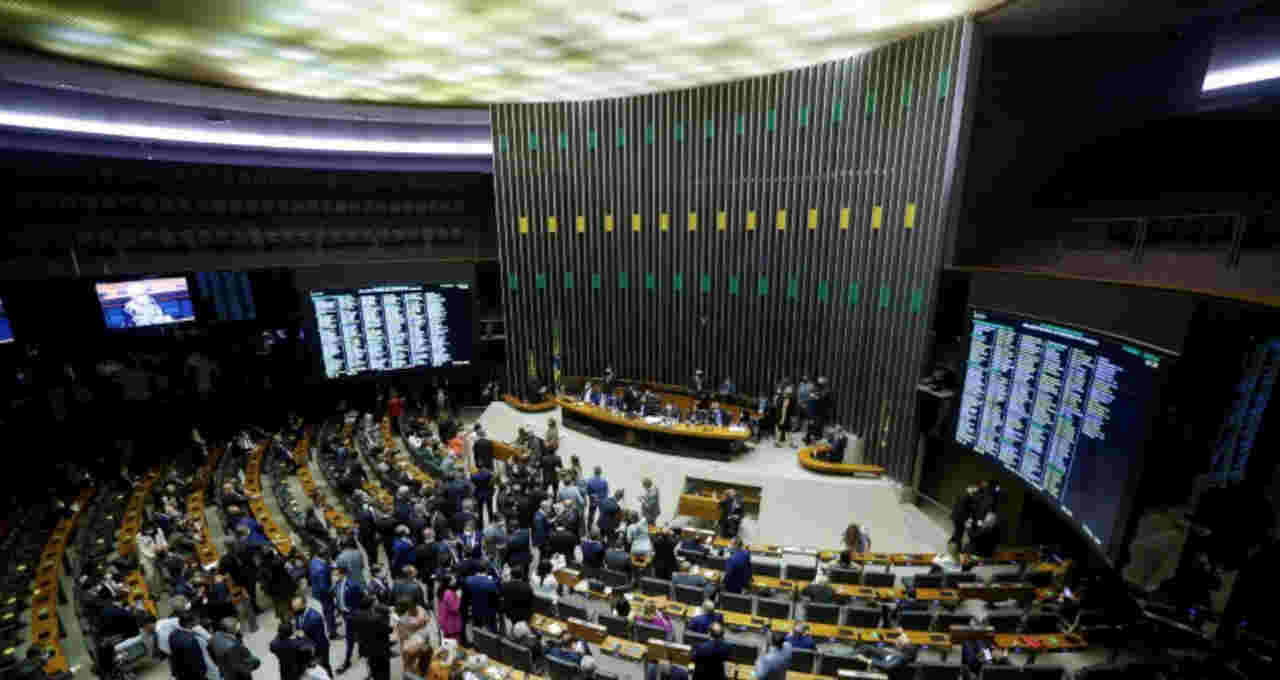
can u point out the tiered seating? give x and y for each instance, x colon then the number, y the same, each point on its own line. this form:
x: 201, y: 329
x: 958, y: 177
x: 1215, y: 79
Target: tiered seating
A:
x: 46, y: 630
x: 334, y: 516
x: 284, y: 495
x: 208, y: 553
x: 253, y: 484
x: 126, y: 540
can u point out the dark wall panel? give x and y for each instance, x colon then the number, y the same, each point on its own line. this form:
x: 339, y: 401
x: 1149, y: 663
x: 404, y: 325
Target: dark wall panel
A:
x: 697, y: 249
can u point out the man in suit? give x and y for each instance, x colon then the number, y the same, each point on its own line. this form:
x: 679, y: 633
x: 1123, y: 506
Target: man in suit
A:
x: 773, y: 665
x: 291, y: 650
x: 960, y: 514
x: 707, y: 616
x: 401, y: 550
x: 471, y: 542
x: 597, y: 491
x: 541, y: 528
x: 517, y: 601
x: 593, y: 551
x: 800, y: 637
x: 482, y: 480
x: 591, y: 395
x: 233, y: 658
x: 466, y: 515
x: 737, y: 570
x: 710, y: 657
x: 117, y: 619
x: 352, y: 561
x: 311, y: 623
x: 718, y: 416
x: 664, y: 554
x: 186, y: 656
x: 318, y: 575
x: 610, y: 515
x: 373, y: 632
x: 347, y: 596
x: 408, y: 588
x: 561, y: 542
x: 480, y: 597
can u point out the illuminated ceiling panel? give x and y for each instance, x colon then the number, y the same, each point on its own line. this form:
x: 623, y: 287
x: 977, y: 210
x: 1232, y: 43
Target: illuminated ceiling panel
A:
x: 465, y: 52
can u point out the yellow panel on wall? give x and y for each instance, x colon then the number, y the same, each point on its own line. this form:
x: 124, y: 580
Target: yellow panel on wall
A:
x: 844, y: 218
x: 782, y: 220
x: 722, y: 221
x: 664, y: 221
x: 608, y: 222
x: 693, y: 221
x: 551, y: 224
x: 813, y: 218
x: 877, y: 216
x: 751, y: 220
x: 909, y: 219
x: 635, y: 221
x: 580, y: 224
x: 524, y: 224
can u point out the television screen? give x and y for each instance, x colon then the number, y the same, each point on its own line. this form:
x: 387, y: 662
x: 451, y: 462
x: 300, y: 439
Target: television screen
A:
x: 1065, y: 409
x: 6, y: 331
x: 393, y: 327
x: 145, y: 302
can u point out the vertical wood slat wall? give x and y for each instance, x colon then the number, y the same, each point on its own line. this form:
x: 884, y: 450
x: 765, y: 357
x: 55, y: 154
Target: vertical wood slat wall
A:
x: 869, y: 135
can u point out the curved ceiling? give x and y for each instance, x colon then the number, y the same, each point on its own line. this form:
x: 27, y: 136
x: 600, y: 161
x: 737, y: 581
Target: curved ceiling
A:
x: 465, y: 51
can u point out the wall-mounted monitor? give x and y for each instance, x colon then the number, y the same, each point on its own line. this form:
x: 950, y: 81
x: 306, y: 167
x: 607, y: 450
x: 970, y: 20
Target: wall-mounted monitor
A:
x: 393, y: 327
x: 6, y: 330
x: 1065, y: 409
x: 145, y: 302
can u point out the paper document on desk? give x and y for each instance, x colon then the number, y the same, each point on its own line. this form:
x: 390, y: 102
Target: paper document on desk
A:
x: 653, y: 420
x: 555, y: 629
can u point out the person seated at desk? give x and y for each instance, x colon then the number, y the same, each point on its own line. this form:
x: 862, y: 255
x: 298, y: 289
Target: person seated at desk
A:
x: 978, y: 653
x: 117, y: 618
x: 820, y: 590
x: 692, y: 547
x: 670, y: 412
x: 684, y: 578
x: 705, y: 618
x: 837, y: 441
x: 631, y: 399
x: 621, y: 605
x: 522, y: 634
x: 653, y: 617
x: 230, y: 496
x: 716, y: 416
x: 567, y: 649
x: 737, y: 570
x: 731, y: 512
x: 800, y: 637
x: 591, y: 395
x: 617, y: 559
x: 727, y: 386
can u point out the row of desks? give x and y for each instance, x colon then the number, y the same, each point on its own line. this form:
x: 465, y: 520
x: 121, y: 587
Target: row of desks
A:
x: 126, y: 539
x: 604, y: 415
x: 206, y: 551
x: 994, y: 592
x: 45, y: 629
x: 253, y: 485
x: 332, y: 515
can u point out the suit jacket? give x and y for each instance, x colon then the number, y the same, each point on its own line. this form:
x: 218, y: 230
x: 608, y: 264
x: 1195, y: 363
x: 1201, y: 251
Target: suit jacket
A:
x: 373, y: 634
x: 593, y: 554
x: 709, y: 658
x: 541, y: 528
x: 116, y: 620
x: 347, y: 595
x: 676, y: 673
x: 617, y: 560
x: 482, y: 480
x: 801, y: 641
x: 186, y: 658
x: 702, y: 622
x: 471, y: 545
x: 517, y: 600
x: 233, y: 659
x: 354, y: 562
x: 664, y: 556
x: 401, y: 554
x: 482, y: 594
x: 597, y: 489
x: 291, y: 652
x: 610, y: 514
x: 737, y: 572
x: 405, y: 589
x: 318, y: 576
x: 518, y: 548
x: 311, y: 623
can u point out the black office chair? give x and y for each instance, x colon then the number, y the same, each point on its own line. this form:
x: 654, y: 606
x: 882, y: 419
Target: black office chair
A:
x: 487, y: 643
x: 517, y: 656
x: 714, y: 562
x: 655, y: 587
x: 953, y: 580
x: 690, y: 595
x: 736, y: 603
x: 832, y: 664
x: 1039, y: 672
x: 802, y: 660
x: 568, y: 611
x: 559, y: 669
x: 617, y: 626
x: 694, y: 639
x: 773, y: 609
x: 1006, y: 621
x: 990, y: 672
x: 643, y: 632
x: 822, y: 613
x: 1043, y: 624
x: 796, y: 572
x: 615, y: 579
x: 766, y: 569
x: 928, y: 581
x: 938, y: 671
x: 742, y: 653
x: 946, y: 620
x: 848, y: 577
x: 878, y: 579
x: 861, y: 617
x: 545, y: 606
x: 915, y: 620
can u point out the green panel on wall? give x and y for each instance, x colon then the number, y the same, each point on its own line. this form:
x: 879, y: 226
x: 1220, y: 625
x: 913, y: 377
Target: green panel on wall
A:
x: 541, y: 282
x: 650, y: 281
x: 563, y: 138
x: 568, y: 280
x: 623, y: 280
x: 917, y: 300
x: 648, y: 133
x: 771, y: 119
x: 513, y: 282
x: 706, y: 283
x: 885, y: 294
x: 595, y: 282
x: 824, y: 291
x: 854, y: 293
x: 762, y: 285
x: 837, y: 112
x: 503, y: 144
x: 793, y: 289
x: 622, y: 137
x: 593, y: 140
x: 734, y: 284
x: 740, y: 124
x: 680, y: 132
x: 533, y: 141
x: 677, y: 283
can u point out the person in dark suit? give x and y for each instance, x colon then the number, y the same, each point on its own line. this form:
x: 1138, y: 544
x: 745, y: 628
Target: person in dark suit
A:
x: 291, y: 650
x: 471, y: 542
x: 347, y: 596
x: 737, y: 570
x: 800, y: 637
x: 318, y: 576
x: 518, y: 553
x: 664, y: 554
x: 731, y: 511
x: 186, y: 658
x: 117, y: 619
x: 480, y: 599
x: 220, y: 605
x: 408, y: 588
x: 311, y: 623
x: 593, y: 551
x: 517, y: 600
x: 373, y: 632
x: 610, y: 515
x: 718, y: 417
x: 232, y: 657
x: 961, y: 512
x: 707, y: 616
x: 710, y: 657
x: 482, y: 480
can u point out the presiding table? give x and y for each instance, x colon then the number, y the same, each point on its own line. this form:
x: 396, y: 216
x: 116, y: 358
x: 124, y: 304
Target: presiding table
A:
x: 697, y: 441
x: 526, y: 407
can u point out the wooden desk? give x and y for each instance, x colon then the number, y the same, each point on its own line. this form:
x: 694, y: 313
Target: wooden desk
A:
x: 757, y: 581
x: 703, y: 441
x: 438, y: 671
x: 744, y: 672
x: 258, y: 507
x: 1056, y: 642
x: 702, y: 507
x: 808, y: 461
x: 45, y: 630
x: 526, y: 407
x: 626, y: 649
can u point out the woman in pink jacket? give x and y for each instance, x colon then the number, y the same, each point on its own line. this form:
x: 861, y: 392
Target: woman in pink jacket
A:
x: 449, y: 610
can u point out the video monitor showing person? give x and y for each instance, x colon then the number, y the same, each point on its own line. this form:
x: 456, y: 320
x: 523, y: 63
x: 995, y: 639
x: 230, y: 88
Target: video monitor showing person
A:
x: 145, y: 302
x: 6, y: 330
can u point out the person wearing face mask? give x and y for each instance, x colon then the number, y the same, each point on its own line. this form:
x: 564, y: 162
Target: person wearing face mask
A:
x: 229, y: 653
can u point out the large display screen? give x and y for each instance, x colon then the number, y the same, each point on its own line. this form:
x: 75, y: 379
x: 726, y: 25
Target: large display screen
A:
x: 393, y: 327
x: 1065, y: 409
x: 145, y: 302
x: 6, y: 331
